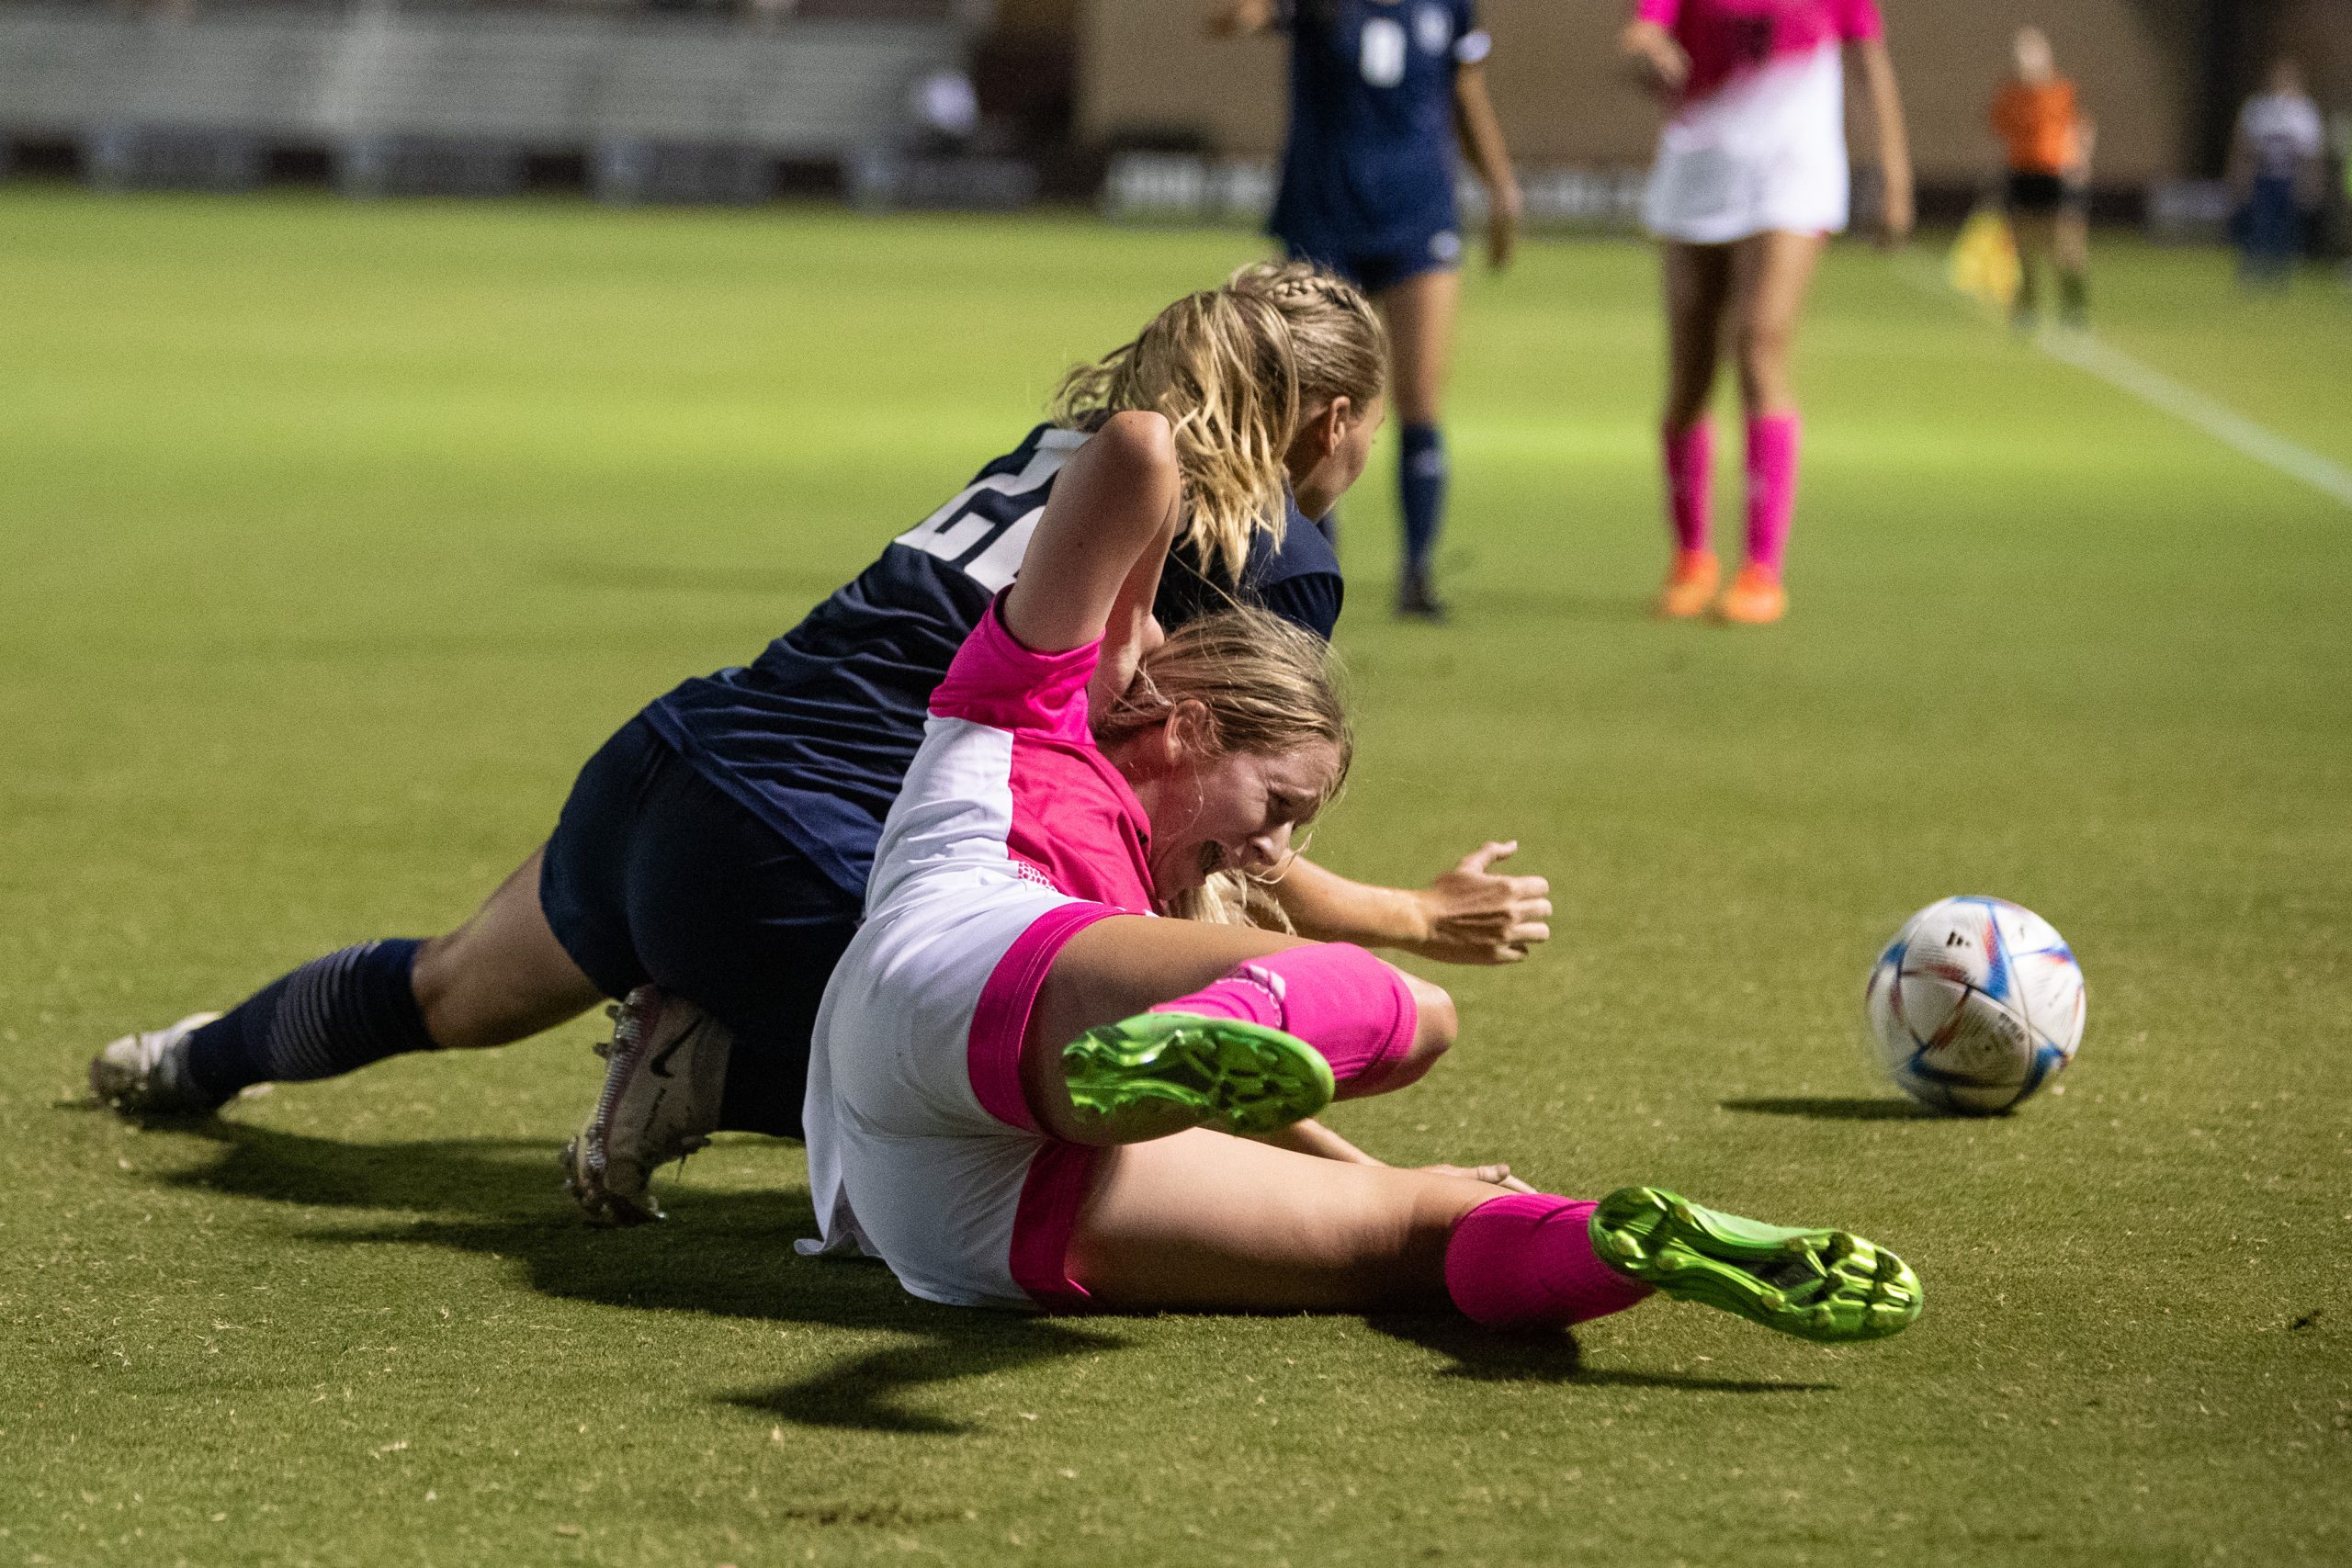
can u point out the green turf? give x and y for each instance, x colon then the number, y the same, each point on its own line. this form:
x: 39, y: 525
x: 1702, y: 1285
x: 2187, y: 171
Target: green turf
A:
x: 332, y: 538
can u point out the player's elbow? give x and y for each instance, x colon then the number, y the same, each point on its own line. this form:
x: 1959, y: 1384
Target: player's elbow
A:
x: 1136, y: 444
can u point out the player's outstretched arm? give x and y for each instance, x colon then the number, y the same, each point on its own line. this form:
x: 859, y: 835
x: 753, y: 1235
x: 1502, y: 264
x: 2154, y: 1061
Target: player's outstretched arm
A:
x: 1482, y: 138
x: 1894, y: 140
x: 1472, y: 914
x: 1653, y: 59
x: 1233, y: 18
x: 1093, y: 564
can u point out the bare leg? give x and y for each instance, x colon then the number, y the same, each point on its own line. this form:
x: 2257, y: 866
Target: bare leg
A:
x: 2037, y: 236
x: 1204, y: 1220
x: 502, y: 977
x: 1770, y: 275
x: 1698, y: 291
x: 1129, y: 964
x: 1419, y: 312
x: 2071, y: 240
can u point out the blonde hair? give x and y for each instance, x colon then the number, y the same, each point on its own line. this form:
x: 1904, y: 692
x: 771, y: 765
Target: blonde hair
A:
x: 1235, y: 369
x: 1267, y: 687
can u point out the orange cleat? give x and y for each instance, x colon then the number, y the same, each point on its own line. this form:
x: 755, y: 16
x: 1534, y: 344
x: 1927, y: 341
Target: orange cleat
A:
x: 1754, y: 599
x: 1689, y: 584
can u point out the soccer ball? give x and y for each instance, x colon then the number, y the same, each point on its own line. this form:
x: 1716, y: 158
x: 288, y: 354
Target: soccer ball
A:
x: 1975, y: 1004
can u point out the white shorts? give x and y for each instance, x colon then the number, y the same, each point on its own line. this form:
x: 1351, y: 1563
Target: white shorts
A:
x: 921, y: 1151
x: 1767, y: 153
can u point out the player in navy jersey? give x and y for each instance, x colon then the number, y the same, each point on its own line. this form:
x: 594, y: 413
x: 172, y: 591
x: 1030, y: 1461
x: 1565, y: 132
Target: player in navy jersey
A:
x: 1377, y: 91
x: 717, y: 848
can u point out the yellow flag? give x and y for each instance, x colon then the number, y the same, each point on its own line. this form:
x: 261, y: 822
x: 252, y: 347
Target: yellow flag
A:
x: 1984, y: 259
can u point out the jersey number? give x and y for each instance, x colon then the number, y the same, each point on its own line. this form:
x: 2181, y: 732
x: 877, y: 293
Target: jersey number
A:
x: 1381, y: 54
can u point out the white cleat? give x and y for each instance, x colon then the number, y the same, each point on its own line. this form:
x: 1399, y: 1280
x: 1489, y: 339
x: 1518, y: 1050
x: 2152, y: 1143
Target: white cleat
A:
x: 146, y: 1074
x: 665, y: 1071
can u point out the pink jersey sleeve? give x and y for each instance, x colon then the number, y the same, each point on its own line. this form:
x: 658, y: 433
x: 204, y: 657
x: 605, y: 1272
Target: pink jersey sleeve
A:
x: 1662, y: 12
x: 1859, y: 21
x: 996, y: 682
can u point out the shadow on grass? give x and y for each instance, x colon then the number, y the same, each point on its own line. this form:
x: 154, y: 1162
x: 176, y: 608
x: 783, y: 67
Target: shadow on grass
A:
x: 1481, y: 1355
x: 1834, y: 1108
x: 729, y: 1255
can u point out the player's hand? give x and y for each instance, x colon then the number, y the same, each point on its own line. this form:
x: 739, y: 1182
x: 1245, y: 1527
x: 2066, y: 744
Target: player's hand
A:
x: 1476, y: 915
x: 1502, y: 228
x: 1492, y: 1175
x: 1658, y: 63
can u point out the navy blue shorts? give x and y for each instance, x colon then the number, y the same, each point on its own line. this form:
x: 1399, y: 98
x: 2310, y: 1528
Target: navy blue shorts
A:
x: 1434, y: 246
x: 654, y: 875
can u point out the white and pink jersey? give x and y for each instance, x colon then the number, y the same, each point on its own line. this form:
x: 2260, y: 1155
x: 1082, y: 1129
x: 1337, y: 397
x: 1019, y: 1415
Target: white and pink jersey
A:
x: 1757, y: 139
x: 1012, y: 833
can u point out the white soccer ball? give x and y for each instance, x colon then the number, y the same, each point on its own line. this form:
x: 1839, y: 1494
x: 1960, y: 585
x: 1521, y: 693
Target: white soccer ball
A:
x: 1975, y: 1004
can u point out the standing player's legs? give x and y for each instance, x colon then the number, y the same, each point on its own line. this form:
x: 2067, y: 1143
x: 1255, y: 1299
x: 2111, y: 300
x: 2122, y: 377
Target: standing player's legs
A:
x: 1771, y: 274
x: 1419, y: 312
x: 2273, y: 233
x: 2037, y: 237
x: 1698, y: 294
x: 2070, y: 239
x: 1204, y: 1222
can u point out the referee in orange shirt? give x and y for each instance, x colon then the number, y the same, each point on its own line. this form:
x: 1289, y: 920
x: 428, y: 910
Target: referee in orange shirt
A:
x: 2048, y: 191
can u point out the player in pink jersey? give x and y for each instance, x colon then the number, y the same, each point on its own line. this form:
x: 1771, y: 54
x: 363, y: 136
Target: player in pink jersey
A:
x: 1027, y: 1088
x: 1750, y: 181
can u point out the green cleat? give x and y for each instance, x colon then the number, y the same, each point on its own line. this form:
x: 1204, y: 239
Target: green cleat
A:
x: 1817, y: 1284
x: 1233, y: 1077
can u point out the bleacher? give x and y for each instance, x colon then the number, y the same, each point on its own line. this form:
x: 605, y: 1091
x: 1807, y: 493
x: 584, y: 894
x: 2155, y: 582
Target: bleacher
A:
x: 458, y: 99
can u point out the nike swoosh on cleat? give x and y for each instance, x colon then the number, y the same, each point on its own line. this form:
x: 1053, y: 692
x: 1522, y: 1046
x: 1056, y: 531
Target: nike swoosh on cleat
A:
x: 660, y: 1065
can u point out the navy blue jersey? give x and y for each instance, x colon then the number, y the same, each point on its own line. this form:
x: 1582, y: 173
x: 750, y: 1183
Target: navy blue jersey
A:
x: 1370, y: 154
x: 815, y: 736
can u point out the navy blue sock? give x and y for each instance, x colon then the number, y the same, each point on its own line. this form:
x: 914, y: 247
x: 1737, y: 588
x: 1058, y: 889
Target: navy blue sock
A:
x: 1420, y: 485
x: 331, y: 1015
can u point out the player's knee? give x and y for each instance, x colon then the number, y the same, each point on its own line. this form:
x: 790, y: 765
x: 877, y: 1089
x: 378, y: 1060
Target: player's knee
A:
x: 433, y: 981
x: 1435, y: 1025
x: 459, y: 1011
x: 1764, y: 351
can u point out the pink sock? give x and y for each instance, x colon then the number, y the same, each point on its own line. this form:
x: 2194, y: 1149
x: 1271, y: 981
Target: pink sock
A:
x: 1690, y: 484
x: 1772, y: 487
x: 1339, y: 999
x: 1526, y: 1261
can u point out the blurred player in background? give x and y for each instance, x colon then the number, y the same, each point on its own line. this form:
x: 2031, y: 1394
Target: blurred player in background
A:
x: 1750, y: 180
x: 1378, y: 90
x: 2275, y: 168
x: 2047, y: 193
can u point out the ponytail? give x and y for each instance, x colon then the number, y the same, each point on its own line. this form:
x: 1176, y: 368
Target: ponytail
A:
x: 1235, y: 370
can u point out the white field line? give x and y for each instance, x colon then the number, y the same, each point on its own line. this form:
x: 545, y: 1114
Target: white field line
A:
x: 2094, y: 356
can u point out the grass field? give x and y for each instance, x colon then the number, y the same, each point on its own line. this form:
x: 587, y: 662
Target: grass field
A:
x: 333, y: 537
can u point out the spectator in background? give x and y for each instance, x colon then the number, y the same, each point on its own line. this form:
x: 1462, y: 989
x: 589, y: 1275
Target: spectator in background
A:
x: 2275, y: 171
x: 2047, y: 194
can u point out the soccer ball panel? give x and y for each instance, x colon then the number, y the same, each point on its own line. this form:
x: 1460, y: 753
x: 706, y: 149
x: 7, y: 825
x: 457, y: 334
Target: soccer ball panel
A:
x: 2050, y: 993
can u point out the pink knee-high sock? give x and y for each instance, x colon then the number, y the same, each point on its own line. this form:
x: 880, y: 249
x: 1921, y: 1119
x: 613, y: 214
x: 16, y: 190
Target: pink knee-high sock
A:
x: 1340, y: 999
x: 1690, y: 484
x: 1526, y: 1261
x: 1772, y: 487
